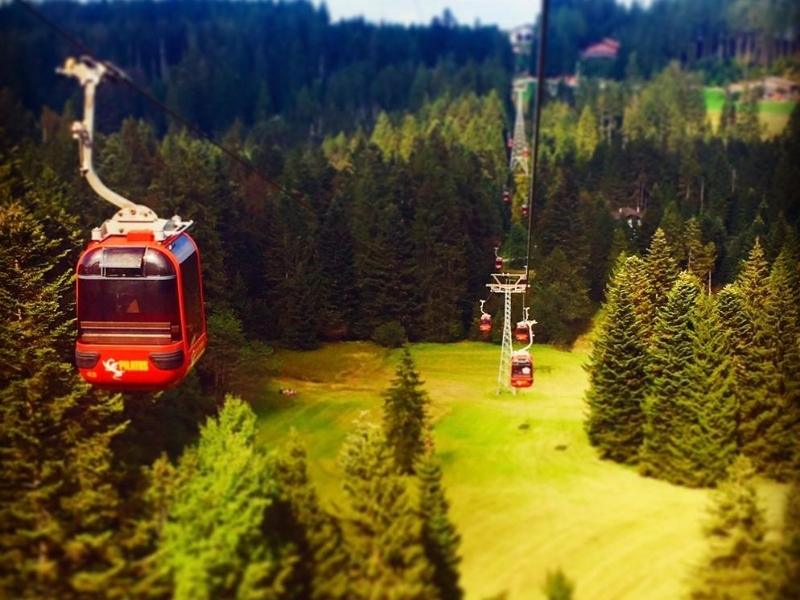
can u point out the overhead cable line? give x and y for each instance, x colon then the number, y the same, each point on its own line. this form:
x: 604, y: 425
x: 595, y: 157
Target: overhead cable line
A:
x: 540, y: 67
x: 118, y: 74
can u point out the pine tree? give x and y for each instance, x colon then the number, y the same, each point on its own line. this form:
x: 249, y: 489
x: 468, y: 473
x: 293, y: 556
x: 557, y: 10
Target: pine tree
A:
x: 639, y: 289
x: 33, y: 295
x: 384, y: 136
x: 661, y: 267
x: 762, y: 416
x: 439, y: 535
x: 384, y: 267
x: 323, y: 561
x: 439, y: 238
x: 405, y: 415
x: 700, y: 257
x: 337, y: 273
x: 557, y: 586
x: 59, y: 502
x: 617, y: 373
x: 385, y: 538
x: 781, y: 320
x: 213, y: 548
x: 752, y: 281
x: 711, y: 440
x: 142, y: 575
x: 790, y: 551
x: 739, y: 562
x: 668, y: 416
x: 747, y: 127
x: 586, y: 137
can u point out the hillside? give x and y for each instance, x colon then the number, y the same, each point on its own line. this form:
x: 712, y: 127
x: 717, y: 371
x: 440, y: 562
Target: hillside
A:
x: 528, y: 493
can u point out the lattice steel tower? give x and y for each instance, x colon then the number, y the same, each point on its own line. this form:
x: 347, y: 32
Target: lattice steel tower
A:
x: 506, y: 284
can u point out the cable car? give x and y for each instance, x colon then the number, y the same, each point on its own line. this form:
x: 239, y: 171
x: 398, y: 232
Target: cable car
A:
x: 524, y: 210
x: 521, y: 369
x: 485, y: 325
x: 141, y: 323
x: 139, y: 289
x: 498, y: 263
x: 506, y: 196
x: 521, y: 332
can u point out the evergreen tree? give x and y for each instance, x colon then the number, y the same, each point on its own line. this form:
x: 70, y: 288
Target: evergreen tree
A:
x: 700, y: 257
x: 223, y: 356
x: 323, y: 562
x: 752, y: 281
x: 385, y: 530
x: 617, y: 372
x: 763, y: 420
x: 747, y: 127
x: 711, y: 441
x: 384, y: 267
x: 560, y: 299
x: 439, y: 238
x: 790, y: 551
x: 213, y: 548
x: 781, y: 318
x: 405, y: 415
x: 640, y: 290
x: 669, y: 415
x: 337, y: 273
x: 59, y: 502
x: 739, y: 561
x: 142, y: 576
x: 661, y: 267
x: 439, y: 535
x: 586, y: 137
x: 384, y: 136
x: 557, y: 586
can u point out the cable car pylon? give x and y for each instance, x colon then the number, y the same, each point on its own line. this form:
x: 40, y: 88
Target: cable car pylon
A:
x: 506, y: 284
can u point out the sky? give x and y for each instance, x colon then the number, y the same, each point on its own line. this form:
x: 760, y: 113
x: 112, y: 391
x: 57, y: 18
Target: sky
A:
x: 505, y: 13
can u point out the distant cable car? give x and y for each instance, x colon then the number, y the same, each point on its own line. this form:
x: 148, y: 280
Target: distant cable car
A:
x: 485, y: 322
x: 521, y: 369
x: 522, y: 332
x: 498, y: 263
x: 525, y: 211
x: 141, y: 320
x: 141, y: 323
x: 485, y: 325
x: 506, y: 196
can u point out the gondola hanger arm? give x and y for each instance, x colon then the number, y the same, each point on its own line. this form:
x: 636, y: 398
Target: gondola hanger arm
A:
x: 130, y: 216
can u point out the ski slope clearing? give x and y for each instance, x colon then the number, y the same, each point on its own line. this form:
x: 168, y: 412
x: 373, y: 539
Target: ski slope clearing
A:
x: 527, y: 492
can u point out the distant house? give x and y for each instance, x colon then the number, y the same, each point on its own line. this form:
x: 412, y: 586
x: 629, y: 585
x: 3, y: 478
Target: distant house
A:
x: 778, y: 88
x: 771, y: 88
x: 607, y: 49
x: 521, y: 38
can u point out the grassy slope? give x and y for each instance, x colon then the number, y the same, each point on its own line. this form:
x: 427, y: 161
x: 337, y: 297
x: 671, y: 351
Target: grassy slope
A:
x: 774, y: 116
x: 527, y: 491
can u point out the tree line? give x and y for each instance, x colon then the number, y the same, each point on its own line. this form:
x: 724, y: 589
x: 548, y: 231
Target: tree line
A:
x: 283, y: 65
x: 87, y: 511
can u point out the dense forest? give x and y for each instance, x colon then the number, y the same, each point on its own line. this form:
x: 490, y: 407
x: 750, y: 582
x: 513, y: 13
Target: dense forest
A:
x: 389, y: 147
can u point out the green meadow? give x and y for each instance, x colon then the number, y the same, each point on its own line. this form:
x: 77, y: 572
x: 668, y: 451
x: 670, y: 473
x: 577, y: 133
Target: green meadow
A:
x: 774, y: 116
x: 527, y: 491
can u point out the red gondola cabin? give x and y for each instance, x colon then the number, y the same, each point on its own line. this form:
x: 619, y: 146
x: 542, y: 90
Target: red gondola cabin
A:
x: 521, y: 370
x: 498, y: 263
x: 141, y: 322
x: 524, y: 211
x: 485, y: 326
x: 522, y: 333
